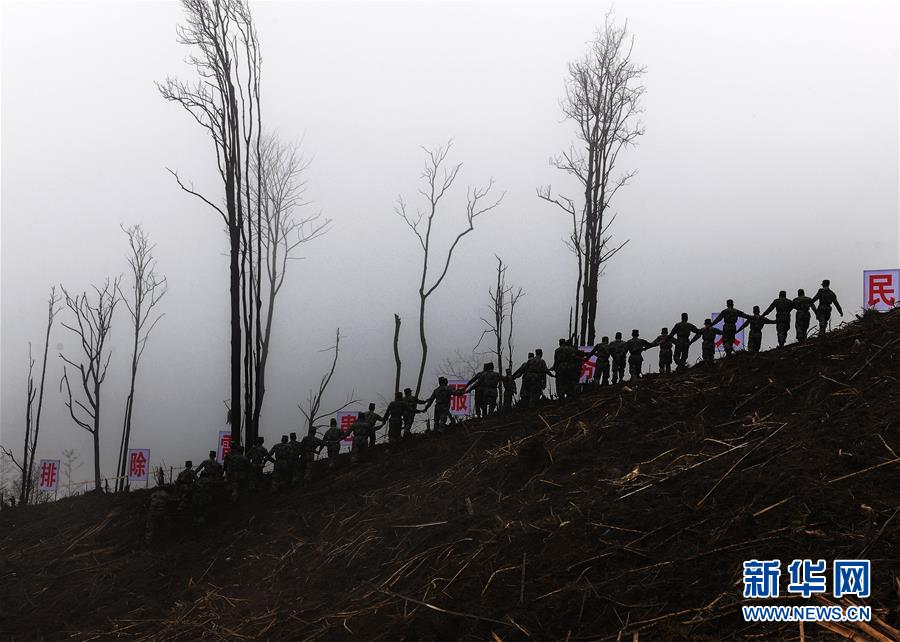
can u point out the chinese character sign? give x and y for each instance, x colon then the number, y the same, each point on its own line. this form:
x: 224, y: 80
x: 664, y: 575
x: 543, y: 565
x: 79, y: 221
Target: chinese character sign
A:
x: 738, y: 336
x: 138, y: 465
x: 880, y: 289
x: 48, y: 475
x: 460, y: 405
x: 808, y: 577
x: 345, y: 420
x: 224, y: 444
x: 587, y: 367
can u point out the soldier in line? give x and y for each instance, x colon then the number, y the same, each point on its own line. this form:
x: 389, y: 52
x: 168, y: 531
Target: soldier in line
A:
x: 729, y: 316
x: 783, y: 307
x: 708, y: 344
x: 157, y: 507
x: 664, y: 341
x: 618, y: 349
x: 258, y: 457
x: 362, y: 431
x: 756, y: 322
x: 567, y: 360
x: 372, y: 418
x: 394, y: 415
x: 295, y: 458
x: 332, y: 438
x: 237, y: 471
x: 186, y: 479
x: 534, y: 378
x: 410, y: 405
x: 803, y: 304
x: 210, y: 469
x: 636, y: 345
x: 283, y: 455
x: 682, y: 332
x: 601, y: 351
x: 826, y: 298
x: 520, y: 372
x: 440, y: 397
x: 485, y: 384
x: 509, y: 390
x: 310, y: 446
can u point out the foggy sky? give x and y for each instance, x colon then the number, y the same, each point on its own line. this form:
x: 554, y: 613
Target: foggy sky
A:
x: 770, y: 161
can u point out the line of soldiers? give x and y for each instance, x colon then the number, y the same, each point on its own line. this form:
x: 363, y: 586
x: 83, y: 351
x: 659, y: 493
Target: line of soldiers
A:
x: 292, y: 459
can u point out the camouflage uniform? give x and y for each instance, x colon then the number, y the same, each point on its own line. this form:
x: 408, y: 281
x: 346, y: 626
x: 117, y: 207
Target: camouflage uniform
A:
x: 332, y: 438
x: 410, y: 406
x: 184, y: 483
x: 520, y: 372
x: 665, y: 343
x: 754, y: 339
x: 237, y: 472
x: 157, y: 506
x: 729, y: 317
x: 283, y: 454
x: 618, y: 350
x: 601, y: 351
x: 296, y: 452
x: 309, y: 448
x: 485, y: 383
x: 636, y: 346
x: 783, y: 307
x: 211, y: 470
x: 362, y: 431
x: 826, y: 298
x: 567, y: 360
x: 708, y: 344
x: 394, y: 417
x: 682, y: 332
x: 372, y: 418
x: 509, y: 390
x: 440, y: 396
x: 534, y: 379
x: 258, y: 457
x: 803, y: 304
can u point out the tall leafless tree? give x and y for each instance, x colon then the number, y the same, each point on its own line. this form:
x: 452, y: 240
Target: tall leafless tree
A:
x: 503, y: 298
x: 225, y: 101
x: 397, y: 351
x: 603, y: 99
x: 33, y: 420
x: 92, y: 324
x: 275, y: 236
x: 313, y: 411
x: 147, y: 290
x: 438, y: 179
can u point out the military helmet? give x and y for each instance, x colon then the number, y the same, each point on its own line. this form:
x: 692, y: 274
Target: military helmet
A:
x: 634, y: 333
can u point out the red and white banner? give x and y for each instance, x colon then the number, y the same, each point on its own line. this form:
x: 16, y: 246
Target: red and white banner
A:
x: 224, y: 445
x: 588, y: 367
x: 48, y: 475
x: 460, y: 405
x: 138, y: 464
x: 738, y: 337
x: 880, y: 289
x: 345, y: 420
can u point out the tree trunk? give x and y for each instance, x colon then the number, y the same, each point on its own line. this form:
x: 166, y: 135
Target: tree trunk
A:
x: 424, y: 343
x: 96, y: 435
x: 397, y: 351
x: 235, y: 292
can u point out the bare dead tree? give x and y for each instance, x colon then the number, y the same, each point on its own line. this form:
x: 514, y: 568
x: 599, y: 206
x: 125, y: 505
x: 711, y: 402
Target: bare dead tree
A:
x: 397, y: 351
x: 225, y: 101
x: 92, y: 324
x: 462, y: 365
x: 147, y: 290
x: 603, y: 98
x: 70, y: 464
x: 313, y: 411
x: 32, y: 420
x: 438, y: 179
x: 276, y: 236
x: 503, y: 298
x: 510, y: 346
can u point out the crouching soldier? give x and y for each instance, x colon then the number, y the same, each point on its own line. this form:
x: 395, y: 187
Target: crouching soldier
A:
x: 157, y: 507
x: 333, y: 437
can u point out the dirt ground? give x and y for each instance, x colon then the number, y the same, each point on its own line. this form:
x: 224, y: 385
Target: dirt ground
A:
x: 627, y: 510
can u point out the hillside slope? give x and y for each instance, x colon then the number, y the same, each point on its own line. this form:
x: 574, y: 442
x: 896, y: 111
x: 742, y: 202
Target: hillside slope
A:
x: 629, y: 509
